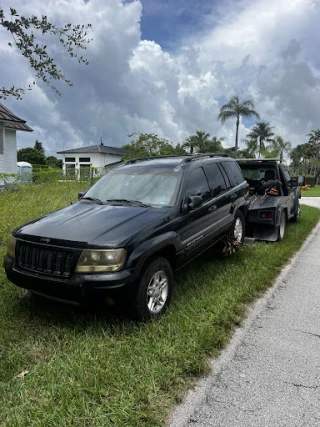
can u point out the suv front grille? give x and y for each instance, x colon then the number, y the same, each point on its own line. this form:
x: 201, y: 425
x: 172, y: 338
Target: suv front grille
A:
x: 54, y: 261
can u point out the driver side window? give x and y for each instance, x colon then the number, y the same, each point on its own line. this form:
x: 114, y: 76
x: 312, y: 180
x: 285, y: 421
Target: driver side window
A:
x: 197, y: 184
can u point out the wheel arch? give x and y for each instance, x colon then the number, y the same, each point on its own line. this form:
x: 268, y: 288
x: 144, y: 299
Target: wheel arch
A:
x: 162, y: 246
x: 168, y: 252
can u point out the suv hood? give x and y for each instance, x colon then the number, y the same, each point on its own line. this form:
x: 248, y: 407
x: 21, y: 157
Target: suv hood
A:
x: 93, y: 224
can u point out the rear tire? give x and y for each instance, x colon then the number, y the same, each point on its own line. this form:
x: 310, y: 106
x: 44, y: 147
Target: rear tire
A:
x: 238, y: 229
x: 282, y: 226
x: 297, y: 214
x: 152, y: 294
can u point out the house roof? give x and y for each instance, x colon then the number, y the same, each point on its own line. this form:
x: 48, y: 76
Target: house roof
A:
x: 100, y: 149
x: 12, y: 121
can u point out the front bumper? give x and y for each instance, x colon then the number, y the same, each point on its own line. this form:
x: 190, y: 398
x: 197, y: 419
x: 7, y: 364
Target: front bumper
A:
x: 78, y: 289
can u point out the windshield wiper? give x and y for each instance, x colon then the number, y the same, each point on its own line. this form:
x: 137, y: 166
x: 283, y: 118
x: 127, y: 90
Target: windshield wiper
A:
x: 93, y: 199
x: 131, y: 202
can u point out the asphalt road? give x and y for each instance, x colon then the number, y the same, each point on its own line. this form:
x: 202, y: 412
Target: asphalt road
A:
x: 269, y: 375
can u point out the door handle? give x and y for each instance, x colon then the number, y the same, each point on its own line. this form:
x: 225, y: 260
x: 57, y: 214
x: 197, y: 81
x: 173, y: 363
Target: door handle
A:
x: 233, y: 196
x: 213, y: 208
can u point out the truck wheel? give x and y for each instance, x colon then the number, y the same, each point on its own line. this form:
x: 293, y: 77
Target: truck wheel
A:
x: 238, y: 227
x: 282, y: 226
x: 152, y: 293
x: 297, y: 214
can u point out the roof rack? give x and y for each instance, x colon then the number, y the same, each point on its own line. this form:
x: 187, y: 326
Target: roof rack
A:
x: 258, y: 160
x: 184, y: 159
x: 142, y: 159
x: 194, y: 157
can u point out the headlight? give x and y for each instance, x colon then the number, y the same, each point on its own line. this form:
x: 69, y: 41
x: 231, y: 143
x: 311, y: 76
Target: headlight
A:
x: 11, y: 247
x: 100, y: 260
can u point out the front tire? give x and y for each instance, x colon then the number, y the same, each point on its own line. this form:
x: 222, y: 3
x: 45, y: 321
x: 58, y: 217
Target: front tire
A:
x: 152, y: 294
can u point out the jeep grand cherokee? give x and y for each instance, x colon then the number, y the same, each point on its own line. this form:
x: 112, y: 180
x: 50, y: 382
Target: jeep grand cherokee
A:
x: 131, y: 229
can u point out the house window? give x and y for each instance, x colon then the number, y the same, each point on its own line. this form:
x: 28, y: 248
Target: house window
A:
x: 70, y: 171
x: 84, y: 159
x: 84, y: 172
x: 70, y: 159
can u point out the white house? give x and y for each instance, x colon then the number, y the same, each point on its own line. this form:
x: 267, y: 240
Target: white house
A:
x: 9, y: 125
x: 94, y: 156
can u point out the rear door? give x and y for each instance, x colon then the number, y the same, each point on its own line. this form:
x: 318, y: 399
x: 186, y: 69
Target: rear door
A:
x: 219, y: 187
x: 237, y: 184
x: 196, y: 228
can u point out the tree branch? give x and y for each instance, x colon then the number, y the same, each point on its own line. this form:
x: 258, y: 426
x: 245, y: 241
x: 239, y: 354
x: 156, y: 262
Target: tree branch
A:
x: 26, y: 32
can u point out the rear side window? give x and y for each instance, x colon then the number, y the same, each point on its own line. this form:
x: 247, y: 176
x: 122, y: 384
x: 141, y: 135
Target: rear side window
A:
x: 197, y: 184
x: 216, y: 180
x: 234, y: 173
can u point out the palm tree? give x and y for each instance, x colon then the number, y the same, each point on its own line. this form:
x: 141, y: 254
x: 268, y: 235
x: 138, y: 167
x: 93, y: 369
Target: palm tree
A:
x: 260, y: 133
x: 251, y: 148
x: 279, y: 146
x: 314, y: 135
x: 197, y: 142
x: 234, y: 108
x: 190, y: 144
x: 201, y: 139
x: 214, y: 145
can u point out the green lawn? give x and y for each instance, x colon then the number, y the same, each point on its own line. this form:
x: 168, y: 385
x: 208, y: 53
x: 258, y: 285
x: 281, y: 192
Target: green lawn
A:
x: 313, y: 192
x: 100, y: 369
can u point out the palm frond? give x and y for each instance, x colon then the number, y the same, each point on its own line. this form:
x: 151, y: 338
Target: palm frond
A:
x: 226, y: 114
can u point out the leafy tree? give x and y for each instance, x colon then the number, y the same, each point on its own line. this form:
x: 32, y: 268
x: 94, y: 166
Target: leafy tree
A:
x: 38, y: 146
x: 236, y: 109
x: 314, y: 143
x: 298, y: 154
x: 279, y: 146
x: 305, y: 159
x: 260, y: 133
x: 53, y: 162
x: 31, y: 155
x: 27, y: 33
x: 147, y: 145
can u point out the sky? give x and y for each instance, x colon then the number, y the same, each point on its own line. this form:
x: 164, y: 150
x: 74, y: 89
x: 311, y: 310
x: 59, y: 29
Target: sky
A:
x: 167, y: 66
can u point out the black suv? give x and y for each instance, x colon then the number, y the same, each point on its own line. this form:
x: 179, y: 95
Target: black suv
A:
x: 130, y: 230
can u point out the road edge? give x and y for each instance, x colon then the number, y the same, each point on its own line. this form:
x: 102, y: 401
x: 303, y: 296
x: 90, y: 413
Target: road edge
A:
x: 180, y: 416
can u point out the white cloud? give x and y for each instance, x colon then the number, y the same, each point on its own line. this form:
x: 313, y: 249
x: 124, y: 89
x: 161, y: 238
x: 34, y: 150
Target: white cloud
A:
x: 262, y: 50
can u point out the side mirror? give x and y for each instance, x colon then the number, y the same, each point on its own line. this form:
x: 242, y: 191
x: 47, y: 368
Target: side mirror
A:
x: 301, y: 180
x: 192, y: 202
x: 294, y: 182
x: 81, y: 194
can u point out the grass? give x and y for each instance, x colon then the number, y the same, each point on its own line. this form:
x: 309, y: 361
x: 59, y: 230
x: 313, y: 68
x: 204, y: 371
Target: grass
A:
x: 313, y: 192
x: 100, y: 369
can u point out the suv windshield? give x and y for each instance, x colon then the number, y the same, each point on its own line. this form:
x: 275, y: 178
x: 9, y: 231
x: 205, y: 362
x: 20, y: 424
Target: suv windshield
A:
x: 156, y: 187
